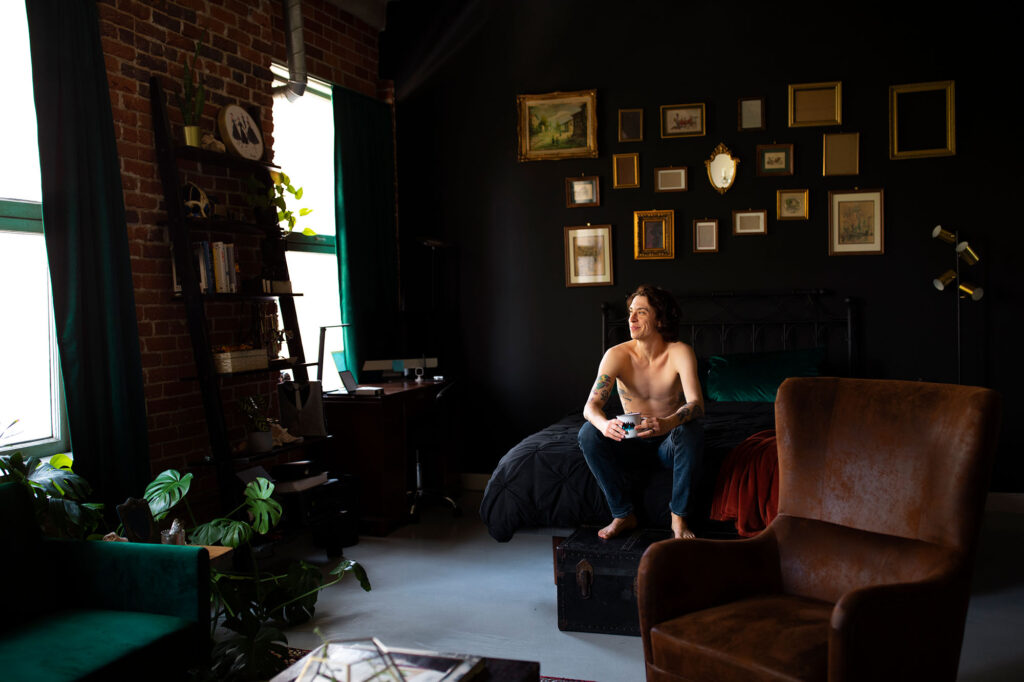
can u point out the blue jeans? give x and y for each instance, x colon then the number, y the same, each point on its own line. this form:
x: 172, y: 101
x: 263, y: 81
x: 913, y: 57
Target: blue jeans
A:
x: 681, y: 451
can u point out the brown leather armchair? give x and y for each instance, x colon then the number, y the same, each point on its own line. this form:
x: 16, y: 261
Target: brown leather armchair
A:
x: 865, y: 572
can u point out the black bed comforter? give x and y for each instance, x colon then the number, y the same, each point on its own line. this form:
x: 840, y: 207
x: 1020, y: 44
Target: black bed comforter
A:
x: 544, y: 481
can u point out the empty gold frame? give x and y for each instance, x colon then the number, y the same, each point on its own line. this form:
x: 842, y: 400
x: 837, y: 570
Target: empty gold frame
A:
x: 816, y: 104
x: 922, y: 120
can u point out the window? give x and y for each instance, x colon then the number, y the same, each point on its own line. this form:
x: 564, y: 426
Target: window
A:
x: 31, y: 394
x: 304, y: 149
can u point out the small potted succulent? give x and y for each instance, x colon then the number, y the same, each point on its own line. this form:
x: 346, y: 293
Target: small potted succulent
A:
x: 258, y: 436
x: 192, y: 99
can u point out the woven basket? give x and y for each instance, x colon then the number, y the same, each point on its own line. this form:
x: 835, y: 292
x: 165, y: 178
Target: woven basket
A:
x: 240, y: 361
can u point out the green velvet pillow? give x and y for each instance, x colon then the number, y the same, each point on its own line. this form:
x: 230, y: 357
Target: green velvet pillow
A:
x: 753, y: 377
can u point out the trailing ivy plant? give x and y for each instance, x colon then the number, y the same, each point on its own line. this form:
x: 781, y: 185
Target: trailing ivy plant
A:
x: 275, y: 197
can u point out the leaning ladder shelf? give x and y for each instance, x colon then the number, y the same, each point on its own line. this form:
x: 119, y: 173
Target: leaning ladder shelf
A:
x: 180, y: 227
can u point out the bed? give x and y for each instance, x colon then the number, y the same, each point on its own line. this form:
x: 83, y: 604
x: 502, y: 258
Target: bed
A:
x: 746, y: 344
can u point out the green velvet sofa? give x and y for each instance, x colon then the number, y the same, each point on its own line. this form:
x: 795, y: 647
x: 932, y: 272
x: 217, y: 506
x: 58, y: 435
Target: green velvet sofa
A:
x: 74, y: 610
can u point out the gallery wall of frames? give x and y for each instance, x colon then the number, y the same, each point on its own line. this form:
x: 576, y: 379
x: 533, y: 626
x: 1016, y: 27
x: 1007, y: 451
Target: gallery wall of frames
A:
x: 568, y: 152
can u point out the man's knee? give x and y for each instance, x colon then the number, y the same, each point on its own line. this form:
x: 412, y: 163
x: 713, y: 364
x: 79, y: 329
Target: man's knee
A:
x: 688, y: 438
x: 587, y: 436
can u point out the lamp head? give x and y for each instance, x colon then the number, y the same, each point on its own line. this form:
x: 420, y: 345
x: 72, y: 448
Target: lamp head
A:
x: 945, y: 235
x: 965, y: 252
x: 944, y: 280
x: 972, y: 290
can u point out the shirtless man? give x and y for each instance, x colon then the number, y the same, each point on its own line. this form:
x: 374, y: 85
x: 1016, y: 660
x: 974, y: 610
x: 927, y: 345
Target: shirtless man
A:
x: 656, y: 375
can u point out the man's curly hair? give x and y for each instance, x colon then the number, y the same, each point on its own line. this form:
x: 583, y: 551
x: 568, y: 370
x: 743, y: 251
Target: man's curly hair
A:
x: 666, y: 310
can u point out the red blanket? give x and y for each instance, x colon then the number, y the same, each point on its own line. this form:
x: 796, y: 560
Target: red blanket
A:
x: 748, y: 485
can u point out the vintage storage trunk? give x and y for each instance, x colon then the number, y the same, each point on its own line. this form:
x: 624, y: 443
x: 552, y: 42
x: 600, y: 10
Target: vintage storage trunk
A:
x: 597, y: 580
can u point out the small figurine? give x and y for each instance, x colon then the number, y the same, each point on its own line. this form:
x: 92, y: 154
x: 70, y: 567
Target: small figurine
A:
x: 211, y: 143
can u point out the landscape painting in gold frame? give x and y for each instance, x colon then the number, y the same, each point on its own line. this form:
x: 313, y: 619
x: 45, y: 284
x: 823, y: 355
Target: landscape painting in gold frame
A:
x: 816, y: 104
x: 922, y: 120
x: 588, y: 256
x: 654, y: 235
x: 856, y: 222
x: 557, y: 125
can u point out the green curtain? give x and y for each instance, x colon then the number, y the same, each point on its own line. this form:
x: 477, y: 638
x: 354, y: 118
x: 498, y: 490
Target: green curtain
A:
x: 87, y: 245
x: 364, y: 176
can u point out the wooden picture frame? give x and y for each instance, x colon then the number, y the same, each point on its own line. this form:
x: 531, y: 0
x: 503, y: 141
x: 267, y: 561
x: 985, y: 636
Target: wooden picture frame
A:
x: 682, y: 120
x: 631, y: 125
x: 671, y: 179
x: 588, y: 256
x: 792, y: 204
x: 557, y: 125
x: 654, y: 235
x: 705, y: 235
x: 856, y: 222
x: 922, y: 120
x: 625, y: 170
x: 816, y: 104
x: 750, y: 222
x: 750, y: 114
x: 840, y: 154
x: 584, y: 190
x: 774, y: 159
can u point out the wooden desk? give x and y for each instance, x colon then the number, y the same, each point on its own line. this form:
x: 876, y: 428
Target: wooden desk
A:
x: 375, y: 444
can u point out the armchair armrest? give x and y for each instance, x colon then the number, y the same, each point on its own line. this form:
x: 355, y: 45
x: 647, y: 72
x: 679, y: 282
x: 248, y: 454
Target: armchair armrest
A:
x: 900, y: 631
x: 681, y: 576
x: 125, y: 576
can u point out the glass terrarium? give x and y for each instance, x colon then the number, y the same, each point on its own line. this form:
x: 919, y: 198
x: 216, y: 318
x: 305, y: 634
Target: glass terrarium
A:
x: 351, y: 660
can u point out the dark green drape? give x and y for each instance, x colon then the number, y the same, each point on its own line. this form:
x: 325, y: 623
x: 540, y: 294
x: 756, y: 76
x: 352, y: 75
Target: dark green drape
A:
x: 87, y: 246
x: 364, y: 176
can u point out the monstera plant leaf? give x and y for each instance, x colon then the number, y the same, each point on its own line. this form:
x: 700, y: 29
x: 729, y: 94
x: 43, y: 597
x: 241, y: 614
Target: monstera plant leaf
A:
x: 266, y: 511
x: 166, y: 491
x: 258, y: 654
x: 227, y: 532
x: 356, y: 569
x: 57, y: 482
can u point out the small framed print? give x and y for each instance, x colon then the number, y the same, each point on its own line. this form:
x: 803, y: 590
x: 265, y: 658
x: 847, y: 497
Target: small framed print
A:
x: 922, y: 120
x: 856, y: 222
x: 682, y: 120
x: 816, y: 104
x: 774, y: 159
x: 631, y: 125
x: 625, y: 170
x: 588, y: 256
x: 705, y: 236
x: 654, y: 235
x: 750, y: 114
x: 671, y: 179
x: 750, y: 222
x: 582, y: 191
x: 840, y: 154
x: 791, y: 204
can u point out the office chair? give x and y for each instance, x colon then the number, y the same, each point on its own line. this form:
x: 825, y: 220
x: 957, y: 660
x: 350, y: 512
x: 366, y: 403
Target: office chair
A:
x: 432, y: 439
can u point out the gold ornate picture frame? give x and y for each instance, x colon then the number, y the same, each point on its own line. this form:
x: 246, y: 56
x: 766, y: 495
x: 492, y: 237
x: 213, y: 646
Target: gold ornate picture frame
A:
x: 922, y: 120
x: 557, y: 125
x: 654, y: 235
x: 588, y: 256
x: 816, y: 104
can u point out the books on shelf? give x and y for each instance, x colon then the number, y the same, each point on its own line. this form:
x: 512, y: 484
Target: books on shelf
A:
x: 216, y: 267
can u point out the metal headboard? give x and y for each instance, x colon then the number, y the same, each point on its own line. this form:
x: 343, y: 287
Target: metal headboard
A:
x: 730, y: 322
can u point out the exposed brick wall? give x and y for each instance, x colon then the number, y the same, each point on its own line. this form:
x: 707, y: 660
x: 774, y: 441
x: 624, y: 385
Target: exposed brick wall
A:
x: 154, y: 37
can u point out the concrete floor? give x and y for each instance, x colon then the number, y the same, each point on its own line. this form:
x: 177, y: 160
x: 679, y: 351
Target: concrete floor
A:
x: 443, y: 584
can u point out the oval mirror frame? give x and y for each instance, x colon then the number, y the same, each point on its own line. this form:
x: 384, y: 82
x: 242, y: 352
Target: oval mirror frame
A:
x: 721, y: 167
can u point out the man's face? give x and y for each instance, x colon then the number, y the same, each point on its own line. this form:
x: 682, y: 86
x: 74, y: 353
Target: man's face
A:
x: 642, y: 322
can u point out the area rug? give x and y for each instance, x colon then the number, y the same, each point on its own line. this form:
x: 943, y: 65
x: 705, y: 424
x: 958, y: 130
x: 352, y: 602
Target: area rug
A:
x: 559, y: 679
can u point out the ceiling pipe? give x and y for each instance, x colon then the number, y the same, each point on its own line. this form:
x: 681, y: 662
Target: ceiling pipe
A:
x: 297, y: 76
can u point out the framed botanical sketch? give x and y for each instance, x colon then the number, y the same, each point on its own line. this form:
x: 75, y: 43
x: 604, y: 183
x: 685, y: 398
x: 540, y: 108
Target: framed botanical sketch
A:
x: 774, y: 159
x: 625, y: 170
x: 816, y: 104
x: 654, y: 235
x: 588, y: 256
x: 631, y: 125
x: 582, y: 191
x: 671, y: 179
x: 750, y: 222
x: 682, y: 120
x: 856, y: 222
x: 840, y: 154
x: 705, y: 236
x: 557, y: 125
x: 750, y: 114
x: 791, y: 204
x: 922, y: 120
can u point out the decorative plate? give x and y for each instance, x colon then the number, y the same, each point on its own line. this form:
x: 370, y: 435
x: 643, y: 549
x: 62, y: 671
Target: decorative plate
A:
x: 240, y: 132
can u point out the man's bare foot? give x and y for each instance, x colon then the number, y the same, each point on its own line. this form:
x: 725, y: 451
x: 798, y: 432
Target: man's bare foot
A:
x: 680, y: 529
x: 617, y: 526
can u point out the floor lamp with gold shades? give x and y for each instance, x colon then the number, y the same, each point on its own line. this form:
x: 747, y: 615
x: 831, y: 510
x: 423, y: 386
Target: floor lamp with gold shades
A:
x: 962, y: 253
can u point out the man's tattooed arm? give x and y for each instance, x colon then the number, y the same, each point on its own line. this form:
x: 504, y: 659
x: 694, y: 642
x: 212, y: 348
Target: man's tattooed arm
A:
x: 690, y: 411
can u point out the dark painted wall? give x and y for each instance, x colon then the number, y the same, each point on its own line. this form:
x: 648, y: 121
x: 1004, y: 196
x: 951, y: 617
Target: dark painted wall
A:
x: 526, y: 347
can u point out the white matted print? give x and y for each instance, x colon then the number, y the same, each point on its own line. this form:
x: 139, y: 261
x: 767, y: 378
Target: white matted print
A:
x: 856, y: 222
x: 588, y: 256
x: 705, y: 236
x: 750, y: 222
x: 671, y: 179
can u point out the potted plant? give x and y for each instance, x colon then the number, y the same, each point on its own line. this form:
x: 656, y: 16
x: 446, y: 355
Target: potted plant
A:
x: 275, y: 198
x: 258, y: 437
x: 192, y: 99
